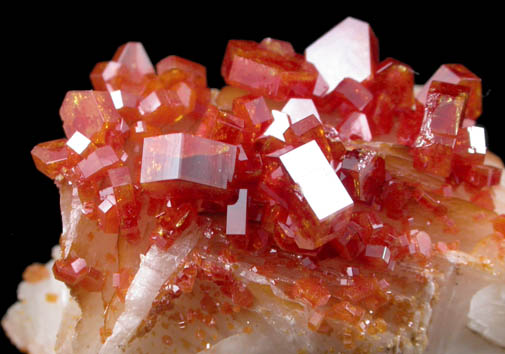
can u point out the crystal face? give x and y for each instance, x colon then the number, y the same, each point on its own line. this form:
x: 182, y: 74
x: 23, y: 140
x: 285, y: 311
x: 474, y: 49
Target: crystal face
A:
x: 299, y: 108
x: 278, y: 126
x: 236, y: 215
x: 188, y: 158
x: 88, y: 112
x: 265, y: 70
x: 459, y: 75
x: 348, y: 50
x: 133, y: 56
x: 322, y: 189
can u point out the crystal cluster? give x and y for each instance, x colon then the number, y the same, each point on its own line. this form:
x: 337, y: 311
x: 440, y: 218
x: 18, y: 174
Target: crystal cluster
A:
x: 283, y: 162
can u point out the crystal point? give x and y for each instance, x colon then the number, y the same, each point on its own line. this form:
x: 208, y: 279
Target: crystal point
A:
x: 348, y: 50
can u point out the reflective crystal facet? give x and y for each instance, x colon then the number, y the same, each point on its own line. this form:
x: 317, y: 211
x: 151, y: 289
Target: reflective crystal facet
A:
x: 184, y: 157
x: 322, y: 189
x: 261, y: 70
x: 363, y: 173
x: 350, y: 49
x: 50, y: 157
x: 305, y: 130
x: 98, y: 161
x: 90, y: 113
x: 126, y: 104
x: 355, y: 93
x: 299, y: 108
x: 255, y: 112
x: 134, y: 57
x: 355, y: 127
x: 320, y: 204
x: 236, y: 215
x: 457, y: 74
x: 161, y: 107
x: 444, y: 108
x: 78, y: 142
x: 278, y: 126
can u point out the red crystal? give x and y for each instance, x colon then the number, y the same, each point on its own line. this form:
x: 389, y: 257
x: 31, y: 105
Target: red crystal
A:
x: 126, y: 104
x: 363, y: 173
x: 396, y: 80
x: 50, y: 157
x: 107, y: 213
x: 280, y: 47
x: 348, y: 50
x: 410, y: 121
x: 108, y: 76
x: 349, y: 96
x: 311, y: 291
x: 133, y: 56
x: 433, y: 148
x: 90, y: 113
x: 378, y: 254
x: 395, y: 196
x: 300, y: 108
x: 459, y: 75
x: 355, y: 126
x: 170, y: 159
x: 98, y: 161
x: 262, y: 70
x: 221, y: 126
x: 127, y: 205
x: 254, y: 111
x: 171, y: 222
x: 393, y: 90
x: 305, y: 130
x: 197, y: 73
x: 161, y: 107
x: 76, y: 272
x: 349, y: 243
x: 470, y: 146
x: 325, y: 199
x: 357, y: 94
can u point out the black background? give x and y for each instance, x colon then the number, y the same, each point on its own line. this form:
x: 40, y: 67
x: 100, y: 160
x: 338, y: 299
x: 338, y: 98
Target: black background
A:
x: 48, y: 53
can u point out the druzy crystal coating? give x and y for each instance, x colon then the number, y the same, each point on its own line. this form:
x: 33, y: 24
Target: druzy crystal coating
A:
x: 298, y: 171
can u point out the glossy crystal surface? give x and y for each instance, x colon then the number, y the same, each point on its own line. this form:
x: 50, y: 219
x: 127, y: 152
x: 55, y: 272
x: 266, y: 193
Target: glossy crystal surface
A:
x: 348, y: 50
x: 188, y: 158
x: 309, y: 169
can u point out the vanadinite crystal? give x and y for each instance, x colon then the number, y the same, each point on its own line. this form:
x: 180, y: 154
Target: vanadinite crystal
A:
x: 320, y: 179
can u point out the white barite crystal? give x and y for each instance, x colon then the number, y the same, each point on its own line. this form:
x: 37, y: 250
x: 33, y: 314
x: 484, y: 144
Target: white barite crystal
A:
x: 321, y: 187
x: 155, y: 268
x: 299, y: 108
x: 34, y: 322
x: 487, y: 313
